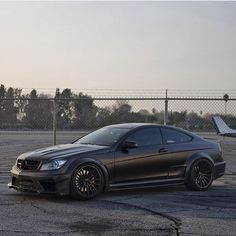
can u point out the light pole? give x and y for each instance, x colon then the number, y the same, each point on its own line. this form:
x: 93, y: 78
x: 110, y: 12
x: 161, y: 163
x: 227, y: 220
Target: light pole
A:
x: 166, y: 110
x: 55, y: 116
x: 226, y: 98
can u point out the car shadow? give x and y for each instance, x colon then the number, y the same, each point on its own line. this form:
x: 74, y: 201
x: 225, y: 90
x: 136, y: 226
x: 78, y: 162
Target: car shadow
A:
x: 180, y: 192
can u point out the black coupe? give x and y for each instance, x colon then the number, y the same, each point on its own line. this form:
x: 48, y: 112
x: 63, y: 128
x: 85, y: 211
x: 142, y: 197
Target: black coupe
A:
x: 121, y: 156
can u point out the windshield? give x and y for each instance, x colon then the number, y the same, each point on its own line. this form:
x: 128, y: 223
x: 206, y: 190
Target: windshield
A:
x: 106, y: 136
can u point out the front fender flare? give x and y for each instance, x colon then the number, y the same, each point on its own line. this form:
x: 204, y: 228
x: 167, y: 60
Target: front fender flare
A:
x: 103, y: 168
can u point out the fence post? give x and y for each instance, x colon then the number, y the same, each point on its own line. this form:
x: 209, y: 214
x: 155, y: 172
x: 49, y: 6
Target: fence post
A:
x: 54, y: 121
x: 166, y: 109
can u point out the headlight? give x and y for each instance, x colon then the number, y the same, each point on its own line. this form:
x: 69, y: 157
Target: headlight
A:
x: 53, y: 165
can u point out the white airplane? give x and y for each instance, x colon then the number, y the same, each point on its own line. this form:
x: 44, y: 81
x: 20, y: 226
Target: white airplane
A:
x: 222, y: 128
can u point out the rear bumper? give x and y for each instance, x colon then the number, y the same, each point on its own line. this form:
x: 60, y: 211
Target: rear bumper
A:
x: 219, y: 169
x: 50, y: 182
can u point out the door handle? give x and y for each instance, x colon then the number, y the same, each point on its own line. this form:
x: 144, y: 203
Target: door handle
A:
x: 163, y: 150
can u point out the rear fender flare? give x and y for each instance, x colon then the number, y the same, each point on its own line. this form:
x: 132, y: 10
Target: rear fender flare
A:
x: 192, y: 159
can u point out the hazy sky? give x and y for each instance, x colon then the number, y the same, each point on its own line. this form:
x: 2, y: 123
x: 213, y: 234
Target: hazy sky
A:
x: 121, y: 45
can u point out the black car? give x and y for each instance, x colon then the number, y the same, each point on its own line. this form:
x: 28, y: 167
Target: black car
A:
x: 121, y: 156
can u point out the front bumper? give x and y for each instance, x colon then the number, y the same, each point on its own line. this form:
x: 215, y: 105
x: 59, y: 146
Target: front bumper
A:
x: 41, y: 182
x: 219, y: 169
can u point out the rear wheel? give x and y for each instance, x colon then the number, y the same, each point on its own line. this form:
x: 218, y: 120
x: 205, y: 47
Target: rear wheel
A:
x: 201, y: 175
x: 87, y: 182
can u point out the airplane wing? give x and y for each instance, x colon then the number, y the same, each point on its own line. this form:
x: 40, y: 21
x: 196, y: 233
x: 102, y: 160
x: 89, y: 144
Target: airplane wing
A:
x: 222, y: 128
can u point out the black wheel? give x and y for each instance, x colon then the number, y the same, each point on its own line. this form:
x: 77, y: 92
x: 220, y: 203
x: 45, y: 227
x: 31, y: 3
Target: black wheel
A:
x: 201, y: 175
x: 87, y: 182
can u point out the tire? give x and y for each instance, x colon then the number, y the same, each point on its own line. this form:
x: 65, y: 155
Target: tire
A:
x: 87, y: 182
x: 201, y: 175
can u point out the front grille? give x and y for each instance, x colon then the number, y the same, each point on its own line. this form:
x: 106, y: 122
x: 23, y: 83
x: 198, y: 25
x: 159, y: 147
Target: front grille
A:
x: 28, y: 164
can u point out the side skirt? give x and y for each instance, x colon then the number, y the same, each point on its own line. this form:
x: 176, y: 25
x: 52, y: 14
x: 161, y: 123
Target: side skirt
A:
x: 146, y: 184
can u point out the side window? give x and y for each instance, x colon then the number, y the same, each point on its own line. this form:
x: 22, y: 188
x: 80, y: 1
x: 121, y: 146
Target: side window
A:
x: 174, y: 136
x: 146, y: 137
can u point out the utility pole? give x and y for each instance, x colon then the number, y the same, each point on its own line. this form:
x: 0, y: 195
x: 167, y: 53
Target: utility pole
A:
x: 55, y: 117
x: 226, y: 98
x: 166, y: 109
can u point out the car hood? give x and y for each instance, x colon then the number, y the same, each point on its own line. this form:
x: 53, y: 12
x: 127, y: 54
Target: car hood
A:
x: 61, y: 151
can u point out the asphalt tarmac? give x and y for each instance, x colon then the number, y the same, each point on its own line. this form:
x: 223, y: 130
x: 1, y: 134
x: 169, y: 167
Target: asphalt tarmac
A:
x: 155, y: 211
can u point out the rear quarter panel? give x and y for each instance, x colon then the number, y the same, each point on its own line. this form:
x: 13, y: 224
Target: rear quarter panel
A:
x: 184, y: 154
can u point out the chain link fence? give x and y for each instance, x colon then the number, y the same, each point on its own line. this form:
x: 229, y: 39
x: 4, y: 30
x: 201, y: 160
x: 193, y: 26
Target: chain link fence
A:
x: 59, y: 117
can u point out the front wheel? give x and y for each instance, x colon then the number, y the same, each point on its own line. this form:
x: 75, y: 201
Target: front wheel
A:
x: 201, y: 175
x: 87, y: 182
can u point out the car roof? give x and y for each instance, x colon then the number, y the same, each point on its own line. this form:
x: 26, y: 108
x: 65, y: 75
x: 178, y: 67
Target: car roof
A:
x: 132, y: 125
x: 136, y: 125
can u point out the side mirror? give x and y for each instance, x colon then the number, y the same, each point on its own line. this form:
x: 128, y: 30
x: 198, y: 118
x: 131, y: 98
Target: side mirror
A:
x: 129, y: 144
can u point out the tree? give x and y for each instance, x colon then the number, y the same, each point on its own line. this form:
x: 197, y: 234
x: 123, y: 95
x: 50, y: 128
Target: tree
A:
x: 178, y: 118
x: 103, y: 116
x: 64, y: 108
x: 121, y: 112
x: 2, y: 108
x: 195, y: 122
x: 31, y: 111
x: 10, y: 111
x: 84, y: 111
x: 38, y: 111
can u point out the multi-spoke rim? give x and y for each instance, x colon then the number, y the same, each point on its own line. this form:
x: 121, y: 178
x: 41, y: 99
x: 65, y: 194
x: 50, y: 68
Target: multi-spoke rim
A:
x: 88, y: 181
x: 202, y: 173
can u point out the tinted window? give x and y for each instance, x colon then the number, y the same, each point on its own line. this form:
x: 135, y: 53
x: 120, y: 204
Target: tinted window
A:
x: 174, y: 136
x: 106, y: 136
x: 146, y: 137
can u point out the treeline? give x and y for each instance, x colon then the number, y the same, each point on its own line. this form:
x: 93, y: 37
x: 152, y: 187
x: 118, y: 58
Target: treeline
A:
x: 34, y: 111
